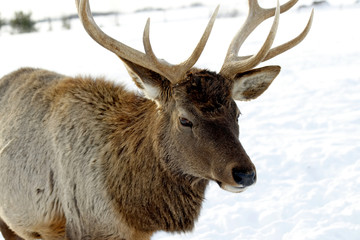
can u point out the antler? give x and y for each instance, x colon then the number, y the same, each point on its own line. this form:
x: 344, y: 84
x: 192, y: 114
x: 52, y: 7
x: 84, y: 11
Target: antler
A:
x: 173, y: 73
x: 234, y: 64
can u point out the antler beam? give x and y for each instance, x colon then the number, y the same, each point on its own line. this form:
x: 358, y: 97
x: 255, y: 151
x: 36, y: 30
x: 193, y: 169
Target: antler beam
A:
x: 235, y: 64
x: 173, y: 73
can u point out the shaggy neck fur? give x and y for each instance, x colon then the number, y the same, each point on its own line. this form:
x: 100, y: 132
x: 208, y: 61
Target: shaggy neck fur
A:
x: 139, y: 182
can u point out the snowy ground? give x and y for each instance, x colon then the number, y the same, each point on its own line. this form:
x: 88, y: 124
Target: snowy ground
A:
x: 303, y: 134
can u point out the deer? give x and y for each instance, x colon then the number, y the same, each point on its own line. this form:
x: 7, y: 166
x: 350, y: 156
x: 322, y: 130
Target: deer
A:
x: 85, y: 158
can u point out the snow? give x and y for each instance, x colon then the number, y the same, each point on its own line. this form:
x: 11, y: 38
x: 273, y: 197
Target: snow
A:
x: 43, y: 8
x: 303, y: 134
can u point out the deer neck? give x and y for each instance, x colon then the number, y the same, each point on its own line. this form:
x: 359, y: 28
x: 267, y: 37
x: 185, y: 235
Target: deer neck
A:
x: 145, y: 191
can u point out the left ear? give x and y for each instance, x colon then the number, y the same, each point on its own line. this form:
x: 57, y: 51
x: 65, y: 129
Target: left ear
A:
x: 251, y: 84
x: 150, y: 82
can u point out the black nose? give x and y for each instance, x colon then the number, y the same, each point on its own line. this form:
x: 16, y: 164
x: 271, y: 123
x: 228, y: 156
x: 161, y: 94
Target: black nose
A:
x: 244, y: 179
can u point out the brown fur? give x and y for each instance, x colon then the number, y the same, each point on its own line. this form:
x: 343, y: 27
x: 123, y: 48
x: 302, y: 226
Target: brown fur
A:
x: 84, y: 158
x: 100, y: 162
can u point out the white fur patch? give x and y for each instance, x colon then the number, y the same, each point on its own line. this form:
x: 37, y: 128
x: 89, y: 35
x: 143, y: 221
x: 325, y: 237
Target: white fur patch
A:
x: 253, y: 83
x: 151, y: 91
x: 237, y: 90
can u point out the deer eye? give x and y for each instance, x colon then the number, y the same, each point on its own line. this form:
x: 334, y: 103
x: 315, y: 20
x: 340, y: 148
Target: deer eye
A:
x: 185, y: 122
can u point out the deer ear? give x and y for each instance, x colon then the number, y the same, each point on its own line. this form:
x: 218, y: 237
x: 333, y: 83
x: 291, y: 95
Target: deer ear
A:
x: 147, y: 80
x: 251, y: 84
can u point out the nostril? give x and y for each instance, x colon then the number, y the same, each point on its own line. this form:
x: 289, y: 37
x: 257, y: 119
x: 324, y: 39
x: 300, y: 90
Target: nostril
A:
x: 244, y: 179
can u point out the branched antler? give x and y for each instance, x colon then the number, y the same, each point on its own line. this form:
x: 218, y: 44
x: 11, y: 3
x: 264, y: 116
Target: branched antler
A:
x: 173, y: 73
x: 235, y: 64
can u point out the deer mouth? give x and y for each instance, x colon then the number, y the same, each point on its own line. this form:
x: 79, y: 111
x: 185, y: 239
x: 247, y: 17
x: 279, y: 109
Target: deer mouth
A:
x: 233, y: 189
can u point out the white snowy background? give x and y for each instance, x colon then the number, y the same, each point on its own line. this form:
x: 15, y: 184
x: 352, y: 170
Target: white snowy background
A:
x: 303, y: 134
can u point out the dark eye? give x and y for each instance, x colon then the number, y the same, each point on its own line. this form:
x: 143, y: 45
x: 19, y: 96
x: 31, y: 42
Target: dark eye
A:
x: 185, y: 122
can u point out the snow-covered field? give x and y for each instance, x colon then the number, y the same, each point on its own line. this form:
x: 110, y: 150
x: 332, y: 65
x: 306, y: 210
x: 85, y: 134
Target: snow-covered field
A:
x: 303, y: 134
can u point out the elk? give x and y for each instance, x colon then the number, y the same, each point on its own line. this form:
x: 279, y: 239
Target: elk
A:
x: 84, y: 158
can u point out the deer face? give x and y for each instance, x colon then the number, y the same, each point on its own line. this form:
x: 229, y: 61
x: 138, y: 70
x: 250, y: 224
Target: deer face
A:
x: 205, y: 131
x: 201, y: 131
x: 201, y: 121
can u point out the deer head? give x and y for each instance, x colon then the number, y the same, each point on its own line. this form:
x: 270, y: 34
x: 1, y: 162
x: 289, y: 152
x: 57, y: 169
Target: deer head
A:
x: 201, y: 136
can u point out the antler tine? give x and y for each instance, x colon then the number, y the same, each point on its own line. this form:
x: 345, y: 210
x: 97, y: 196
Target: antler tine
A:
x: 269, y: 12
x: 292, y: 43
x: 120, y: 49
x: 173, y: 73
x: 256, y: 15
x: 234, y: 64
x: 178, y: 71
